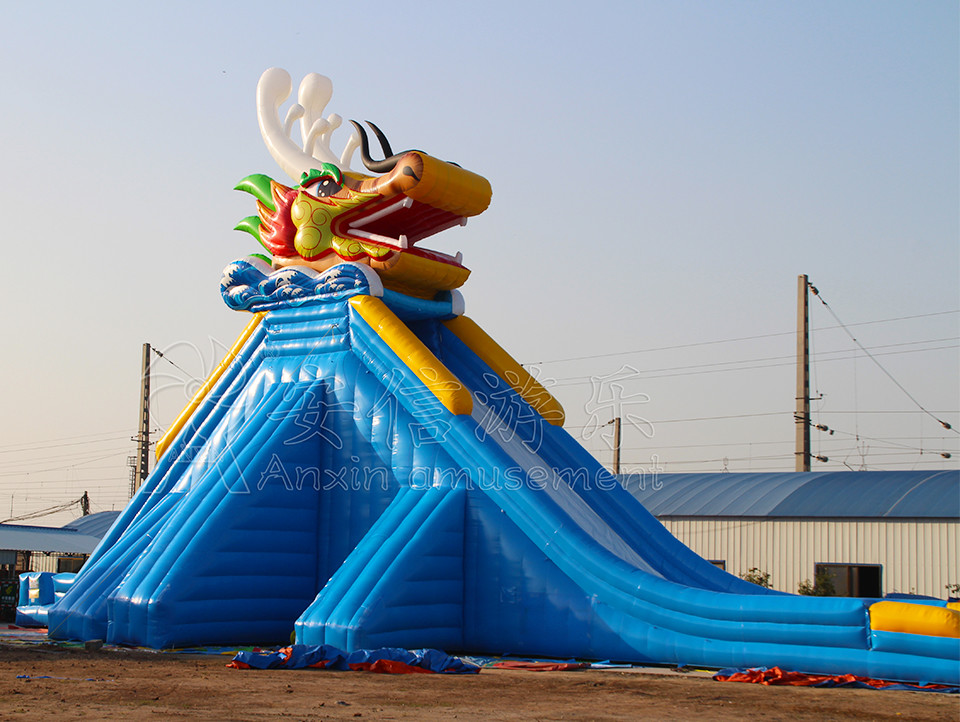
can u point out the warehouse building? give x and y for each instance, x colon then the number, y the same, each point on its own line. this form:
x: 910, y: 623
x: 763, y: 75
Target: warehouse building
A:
x: 869, y: 533
x: 45, y: 549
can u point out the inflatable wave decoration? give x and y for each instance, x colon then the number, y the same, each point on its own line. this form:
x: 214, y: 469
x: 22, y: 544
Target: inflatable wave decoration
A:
x: 249, y: 284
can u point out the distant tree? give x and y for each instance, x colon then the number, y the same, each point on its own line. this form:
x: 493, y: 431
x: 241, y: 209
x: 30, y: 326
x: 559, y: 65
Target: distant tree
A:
x: 757, y: 576
x: 822, y: 586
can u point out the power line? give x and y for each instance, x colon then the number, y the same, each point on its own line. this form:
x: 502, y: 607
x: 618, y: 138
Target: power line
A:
x: 839, y: 351
x: 687, y: 462
x: 701, y: 446
x: 700, y: 418
x: 94, y: 468
x: 60, y: 446
x: 881, y: 411
x: 43, y: 445
x: 46, y: 512
x: 890, y: 443
x: 730, y: 340
x: 887, y: 464
x: 886, y: 451
x: 757, y: 364
x: 74, y: 454
x: 20, y: 472
x: 161, y: 355
x: 786, y: 456
x: 744, y: 416
x: 944, y: 424
x: 718, y: 418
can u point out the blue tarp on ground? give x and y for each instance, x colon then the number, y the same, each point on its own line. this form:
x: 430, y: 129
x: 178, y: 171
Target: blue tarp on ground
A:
x: 325, y: 656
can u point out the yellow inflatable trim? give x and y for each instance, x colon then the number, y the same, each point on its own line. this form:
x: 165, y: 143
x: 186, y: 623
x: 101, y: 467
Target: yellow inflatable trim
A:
x: 517, y: 377
x: 212, y: 379
x: 914, y: 619
x: 418, y: 358
x: 419, y: 276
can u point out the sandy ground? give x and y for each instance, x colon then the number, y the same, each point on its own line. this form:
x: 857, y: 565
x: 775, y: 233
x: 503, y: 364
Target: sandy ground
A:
x: 112, y: 684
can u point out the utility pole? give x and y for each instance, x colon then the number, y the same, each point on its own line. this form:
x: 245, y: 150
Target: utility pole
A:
x: 142, y: 467
x: 802, y: 414
x: 616, y: 446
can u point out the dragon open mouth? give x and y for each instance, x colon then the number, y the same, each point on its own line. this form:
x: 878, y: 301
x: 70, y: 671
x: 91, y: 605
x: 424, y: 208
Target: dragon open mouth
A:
x: 400, y: 223
x: 335, y: 215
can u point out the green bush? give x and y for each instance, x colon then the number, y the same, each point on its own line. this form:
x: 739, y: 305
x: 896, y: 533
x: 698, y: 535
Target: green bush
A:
x: 822, y: 586
x: 757, y: 576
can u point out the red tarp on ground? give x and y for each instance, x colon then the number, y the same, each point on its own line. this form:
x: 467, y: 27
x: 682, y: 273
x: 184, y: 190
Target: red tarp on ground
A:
x: 777, y: 676
x: 538, y: 666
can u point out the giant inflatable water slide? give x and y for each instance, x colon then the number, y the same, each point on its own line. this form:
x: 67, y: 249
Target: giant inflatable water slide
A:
x: 368, y: 468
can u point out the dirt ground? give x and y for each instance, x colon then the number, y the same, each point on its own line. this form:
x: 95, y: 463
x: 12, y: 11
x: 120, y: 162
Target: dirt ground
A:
x: 111, y: 684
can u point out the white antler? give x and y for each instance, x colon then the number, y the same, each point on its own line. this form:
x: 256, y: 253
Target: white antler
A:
x: 315, y: 130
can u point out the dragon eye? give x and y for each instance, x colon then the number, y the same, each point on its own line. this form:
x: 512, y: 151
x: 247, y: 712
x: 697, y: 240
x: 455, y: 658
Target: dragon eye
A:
x: 324, y: 187
x: 322, y: 182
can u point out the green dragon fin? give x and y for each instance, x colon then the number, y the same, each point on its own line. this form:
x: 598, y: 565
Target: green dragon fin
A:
x: 258, y: 185
x: 251, y: 224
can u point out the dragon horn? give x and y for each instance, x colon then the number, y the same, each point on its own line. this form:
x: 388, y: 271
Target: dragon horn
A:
x: 384, y: 143
x: 377, y: 166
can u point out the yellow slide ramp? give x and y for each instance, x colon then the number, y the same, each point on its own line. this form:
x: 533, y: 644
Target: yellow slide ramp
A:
x: 507, y: 368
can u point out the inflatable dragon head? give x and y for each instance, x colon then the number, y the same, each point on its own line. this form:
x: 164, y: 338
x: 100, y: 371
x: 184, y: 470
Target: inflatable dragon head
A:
x: 333, y: 214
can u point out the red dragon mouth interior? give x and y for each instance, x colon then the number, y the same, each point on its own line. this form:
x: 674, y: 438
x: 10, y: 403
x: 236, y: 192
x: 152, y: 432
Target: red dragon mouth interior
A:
x: 399, y: 223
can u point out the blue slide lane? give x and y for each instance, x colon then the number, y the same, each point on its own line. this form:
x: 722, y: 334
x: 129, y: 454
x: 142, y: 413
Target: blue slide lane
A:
x: 664, y: 620
x: 598, y: 488
x: 321, y: 489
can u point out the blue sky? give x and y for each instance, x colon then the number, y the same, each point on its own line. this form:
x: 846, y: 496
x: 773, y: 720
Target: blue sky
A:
x: 662, y: 172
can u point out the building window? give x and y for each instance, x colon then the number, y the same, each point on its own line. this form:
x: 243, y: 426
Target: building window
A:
x: 719, y: 563
x: 70, y: 564
x: 853, y: 580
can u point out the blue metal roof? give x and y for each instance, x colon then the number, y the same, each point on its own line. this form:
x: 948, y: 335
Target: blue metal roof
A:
x: 94, y: 524
x: 832, y: 494
x: 80, y: 536
x: 45, y: 539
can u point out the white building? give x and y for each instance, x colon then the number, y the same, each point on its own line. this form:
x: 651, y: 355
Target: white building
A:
x: 872, y: 533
